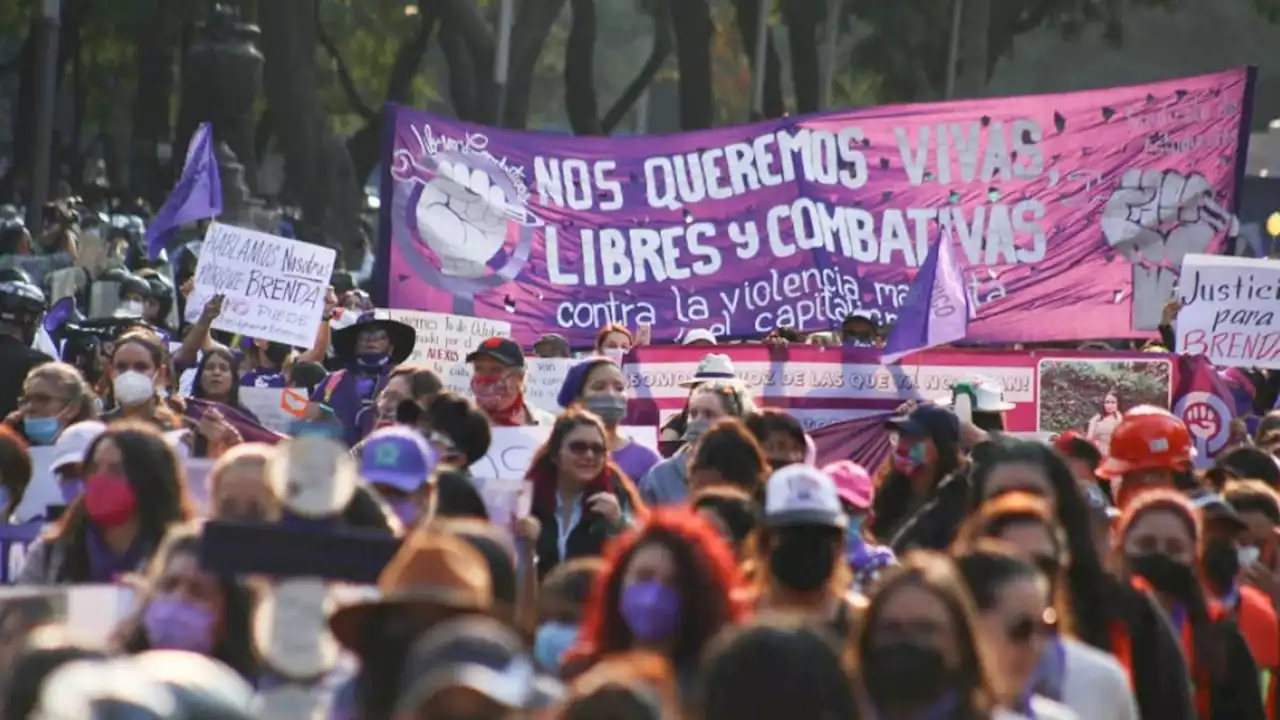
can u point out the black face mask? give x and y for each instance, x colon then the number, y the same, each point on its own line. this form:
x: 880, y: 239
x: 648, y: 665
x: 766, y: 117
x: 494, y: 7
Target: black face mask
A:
x: 803, y: 559
x: 1165, y: 574
x: 904, y: 674
x: 1221, y: 565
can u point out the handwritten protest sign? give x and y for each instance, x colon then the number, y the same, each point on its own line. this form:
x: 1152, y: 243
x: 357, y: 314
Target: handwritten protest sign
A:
x: 274, y: 287
x: 1229, y: 310
x: 443, y: 340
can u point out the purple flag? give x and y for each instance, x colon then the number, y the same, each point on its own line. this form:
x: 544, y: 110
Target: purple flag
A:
x: 249, y: 427
x: 1205, y: 404
x: 937, y: 309
x: 197, y: 196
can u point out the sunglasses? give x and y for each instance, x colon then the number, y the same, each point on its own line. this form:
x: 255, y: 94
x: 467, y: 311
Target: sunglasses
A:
x: 1027, y: 628
x: 582, y: 448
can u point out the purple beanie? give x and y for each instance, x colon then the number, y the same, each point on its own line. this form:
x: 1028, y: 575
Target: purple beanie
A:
x: 576, y: 377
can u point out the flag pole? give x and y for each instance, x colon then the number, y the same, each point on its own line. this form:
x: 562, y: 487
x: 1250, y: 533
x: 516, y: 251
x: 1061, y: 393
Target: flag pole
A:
x: 502, y: 58
x: 760, y: 58
x: 46, y: 108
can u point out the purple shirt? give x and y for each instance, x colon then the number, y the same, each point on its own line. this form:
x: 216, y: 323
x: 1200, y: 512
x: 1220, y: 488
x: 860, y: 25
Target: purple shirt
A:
x: 635, y: 460
x: 261, y: 378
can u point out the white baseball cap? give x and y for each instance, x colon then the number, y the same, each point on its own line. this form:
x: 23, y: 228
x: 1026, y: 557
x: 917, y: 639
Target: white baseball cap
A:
x: 802, y: 495
x: 699, y: 334
x: 71, y: 445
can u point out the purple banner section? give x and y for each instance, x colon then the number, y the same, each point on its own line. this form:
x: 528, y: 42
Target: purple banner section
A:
x: 1071, y: 213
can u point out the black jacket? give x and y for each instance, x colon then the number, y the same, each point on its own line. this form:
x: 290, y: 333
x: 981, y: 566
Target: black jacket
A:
x: 16, y: 360
x: 586, y: 538
x: 934, y: 525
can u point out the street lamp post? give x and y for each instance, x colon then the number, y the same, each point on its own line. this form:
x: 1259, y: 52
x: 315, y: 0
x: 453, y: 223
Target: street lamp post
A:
x: 46, y: 104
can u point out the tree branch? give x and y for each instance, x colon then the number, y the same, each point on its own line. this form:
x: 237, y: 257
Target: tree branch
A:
x: 657, y: 58
x: 409, y: 56
x: 344, y: 76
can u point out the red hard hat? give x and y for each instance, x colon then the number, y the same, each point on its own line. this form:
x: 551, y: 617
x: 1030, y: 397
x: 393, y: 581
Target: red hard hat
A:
x: 1148, y: 438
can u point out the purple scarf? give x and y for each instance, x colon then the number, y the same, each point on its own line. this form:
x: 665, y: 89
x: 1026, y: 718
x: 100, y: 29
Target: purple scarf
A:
x: 247, y: 425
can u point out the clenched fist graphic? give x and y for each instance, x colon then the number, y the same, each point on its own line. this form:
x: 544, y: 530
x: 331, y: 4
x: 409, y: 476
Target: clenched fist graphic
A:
x: 1154, y: 219
x: 462, y: 217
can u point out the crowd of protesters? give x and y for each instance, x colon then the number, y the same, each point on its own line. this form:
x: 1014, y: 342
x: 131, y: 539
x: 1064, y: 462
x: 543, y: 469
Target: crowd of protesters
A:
x: 724, y: 574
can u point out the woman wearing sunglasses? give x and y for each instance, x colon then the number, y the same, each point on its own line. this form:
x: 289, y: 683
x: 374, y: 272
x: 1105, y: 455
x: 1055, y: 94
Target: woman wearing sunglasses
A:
x: 1160, y: 548
x: 1087, y: 680
x: 1015, y: 623
x: 580, y: 498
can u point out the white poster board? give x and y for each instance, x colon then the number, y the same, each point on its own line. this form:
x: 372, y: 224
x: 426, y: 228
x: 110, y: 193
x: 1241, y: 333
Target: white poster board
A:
x: 444, y: 341
x: 1229, y: 310
x: 274, y: 287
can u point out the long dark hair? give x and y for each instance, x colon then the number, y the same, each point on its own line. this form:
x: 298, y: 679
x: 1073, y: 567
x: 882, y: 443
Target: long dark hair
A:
x: 543, y: 471
x: 937, y: 574
x: 706, y: 575
x: 233, y: 646
x: 894, y: 497
x: 158, y: 481
x: 1089, y: 586
x: 218, y: 351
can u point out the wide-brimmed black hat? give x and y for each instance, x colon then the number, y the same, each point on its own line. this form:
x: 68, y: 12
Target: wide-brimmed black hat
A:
x: 402, y: 335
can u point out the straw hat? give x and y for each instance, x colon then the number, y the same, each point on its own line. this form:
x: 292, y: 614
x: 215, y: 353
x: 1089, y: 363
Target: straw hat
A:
x: 430, y: 570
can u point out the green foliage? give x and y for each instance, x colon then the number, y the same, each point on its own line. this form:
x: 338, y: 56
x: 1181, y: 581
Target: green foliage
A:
x: 367, y: 34
x: 1071, y: 392
x: 904, y: 45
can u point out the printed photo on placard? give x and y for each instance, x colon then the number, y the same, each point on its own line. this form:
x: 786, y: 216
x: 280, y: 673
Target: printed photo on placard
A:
x: 1088, y: 396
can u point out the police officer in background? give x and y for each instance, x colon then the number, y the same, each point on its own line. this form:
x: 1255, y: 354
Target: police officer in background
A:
x: 22, y: 307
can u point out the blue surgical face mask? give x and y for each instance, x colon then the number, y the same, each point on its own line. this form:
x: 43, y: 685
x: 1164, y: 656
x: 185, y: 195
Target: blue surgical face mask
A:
x: 41, y: 431
x: 373, y: 360
x: 551, y: 642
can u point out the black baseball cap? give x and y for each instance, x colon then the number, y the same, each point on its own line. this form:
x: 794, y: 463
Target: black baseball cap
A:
x: 928, y: 421
x: 504, y: 350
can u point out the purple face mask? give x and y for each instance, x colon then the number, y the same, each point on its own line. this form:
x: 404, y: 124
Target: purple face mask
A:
x: 176, y: 625
x: 71, y: 489
x: 651, y: 609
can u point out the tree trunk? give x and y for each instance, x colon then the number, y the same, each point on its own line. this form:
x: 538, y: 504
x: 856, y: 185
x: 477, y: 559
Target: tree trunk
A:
x: 365, y: 146
x: 694, y: 32
x: 17, y: 180
x: 579, y: 70
x: 975, y: 28
x: 657, y: 58
x: 463, y: 80
x: 533, y: 23
x: 803, y: 18
x: 473, y: 54
x: 746, y: 12
x: 151, y: 121
x: 315, y: 173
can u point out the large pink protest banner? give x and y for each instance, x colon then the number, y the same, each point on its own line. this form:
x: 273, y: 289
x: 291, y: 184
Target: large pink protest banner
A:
x: 1052, y: 391
x: 1072, y: 213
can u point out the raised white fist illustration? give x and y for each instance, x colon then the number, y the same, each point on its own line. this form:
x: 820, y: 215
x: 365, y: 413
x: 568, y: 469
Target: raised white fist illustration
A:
x: 462, y: 218
x: 1154, y: 219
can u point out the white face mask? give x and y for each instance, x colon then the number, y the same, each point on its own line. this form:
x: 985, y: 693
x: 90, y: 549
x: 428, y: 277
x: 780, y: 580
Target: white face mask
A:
x: 130, y: 308
x: 133, y: 388
x: 615, y: 354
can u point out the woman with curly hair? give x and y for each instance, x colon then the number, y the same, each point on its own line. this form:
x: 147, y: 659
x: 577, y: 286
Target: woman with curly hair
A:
x: 667, y: 588
x: 580, y: 497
